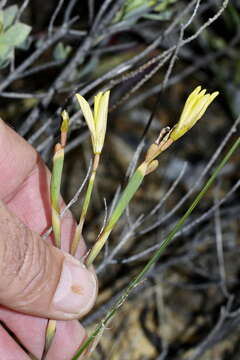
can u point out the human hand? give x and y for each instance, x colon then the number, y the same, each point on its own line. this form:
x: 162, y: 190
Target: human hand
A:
x: 37, y: 280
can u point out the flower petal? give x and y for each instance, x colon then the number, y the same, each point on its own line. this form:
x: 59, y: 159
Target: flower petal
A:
x: 101, y: 121
x: 97, y: 100
x: 87, y: 113
x: 194, y: 108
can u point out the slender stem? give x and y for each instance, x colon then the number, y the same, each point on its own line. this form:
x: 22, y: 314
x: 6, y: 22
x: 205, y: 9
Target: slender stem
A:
x: 50, y: 333
x: 135, y: 282
x: 127, y: 195
x: 58, y: 160
x: 78, y: 232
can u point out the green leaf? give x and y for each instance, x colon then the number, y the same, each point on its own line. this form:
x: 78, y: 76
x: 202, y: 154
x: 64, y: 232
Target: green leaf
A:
x: 56, y: 177
x: 15, y: 35
x: 1, y: 21
x: 137, y: 12
x: 128, y: 9
x: 9, y: 15
x: 4, y: 63
x: 50, y: 333
x: 164, y: 5
x: 163, y: 16
x: 61, y: 52
x: 128, y: 193
x: 5, y: 51
x: 25, y: 45
x: 58, y: 160
x: 140, y: 276
x: 126, y: 196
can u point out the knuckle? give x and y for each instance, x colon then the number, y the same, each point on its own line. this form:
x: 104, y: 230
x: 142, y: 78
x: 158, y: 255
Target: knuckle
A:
x: 23, y: 264
x: 15, y: 252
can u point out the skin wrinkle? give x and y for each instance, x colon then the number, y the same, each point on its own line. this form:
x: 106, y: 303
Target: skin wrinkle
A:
x: 9, y: 141
x: 14, y: 255
x: 4, y: 248
x: 35, y: 285
x: 8, y: 266
x: 32, y: 259
x: 23, y: 249
x: 38, y: 172
x: 20, y: 253
x: 43, y: 185
x: 27, y: 197
x: 23, y: 256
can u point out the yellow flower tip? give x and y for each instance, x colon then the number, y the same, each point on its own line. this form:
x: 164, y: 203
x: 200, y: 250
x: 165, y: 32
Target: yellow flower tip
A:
x: 194, y: 108
x: 97, y: 100
x: 87, y: 113
x: 96, y: 120
x: 65, y: 122
x: 101, y: 101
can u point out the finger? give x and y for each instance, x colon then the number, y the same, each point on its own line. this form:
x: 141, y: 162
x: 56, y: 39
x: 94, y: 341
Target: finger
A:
x: 29, y: 330
x: 39, y: 279
x: 69, y: 335
x: 31, y: 203
x: 25, y: 180
x: 16, y: 161
x: 68, y: 338
x: 9, y: 349
x: 29, y: 198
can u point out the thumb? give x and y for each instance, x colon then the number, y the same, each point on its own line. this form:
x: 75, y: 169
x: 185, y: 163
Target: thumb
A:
x: 38, y: 279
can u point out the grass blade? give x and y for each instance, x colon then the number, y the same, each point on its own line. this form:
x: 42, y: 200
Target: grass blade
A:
x: 56, y: 178
x: 135, y: 282
x: 86, y: 202
x: 127, y: 195
x: 58, y: 160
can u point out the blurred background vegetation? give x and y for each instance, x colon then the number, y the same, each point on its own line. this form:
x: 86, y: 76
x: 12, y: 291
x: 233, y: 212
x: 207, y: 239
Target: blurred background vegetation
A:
x: 151, y: 54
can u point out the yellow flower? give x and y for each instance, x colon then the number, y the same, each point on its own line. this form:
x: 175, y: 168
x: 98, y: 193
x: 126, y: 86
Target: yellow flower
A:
x: 96, y: 121
x: 194, y: 108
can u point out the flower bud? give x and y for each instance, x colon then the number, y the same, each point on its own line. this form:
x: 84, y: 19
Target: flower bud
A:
x: 96, y: 121
x: 194, y: 108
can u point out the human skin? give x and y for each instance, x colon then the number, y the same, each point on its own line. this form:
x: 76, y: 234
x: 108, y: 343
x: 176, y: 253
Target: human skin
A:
x: 30, y: 268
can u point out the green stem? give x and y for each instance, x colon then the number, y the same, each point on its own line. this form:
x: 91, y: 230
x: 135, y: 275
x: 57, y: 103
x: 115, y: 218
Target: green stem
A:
x: 58, y: 160
x: 127, y: 195
x: 50, y: 333
x: 135, y: 282
x: 56, y: 178
x: 78, y: 232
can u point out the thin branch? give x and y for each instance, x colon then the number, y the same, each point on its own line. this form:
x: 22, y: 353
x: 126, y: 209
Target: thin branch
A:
x: 130, y: 63
x: 68, y: 11
x: 91, y: 8
x: 32, y: 58
x: 213, y: 337
x: 21, y: 10
x: 54, y: 16
x: 219, y: 246
x: 100, y: 14
x: 169, y: 192
x: 14, y: 95
x: 173, y: 59
x: 187, y: 228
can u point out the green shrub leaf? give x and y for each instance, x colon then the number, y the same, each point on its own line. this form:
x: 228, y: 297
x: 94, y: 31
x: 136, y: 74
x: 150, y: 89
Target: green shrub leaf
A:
x: 9, y: 15
x: 15, y: 35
